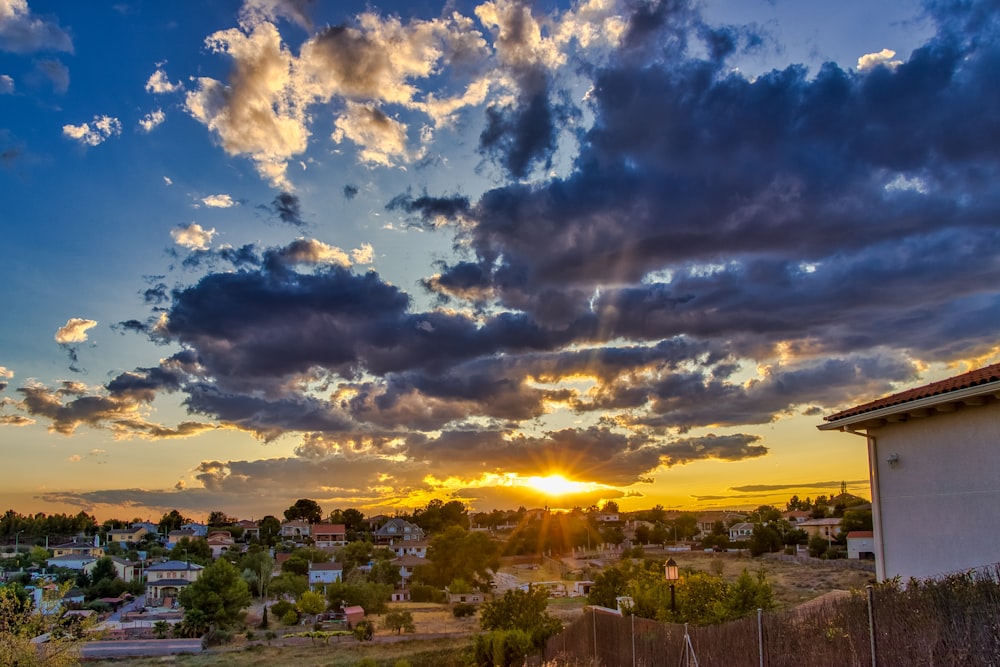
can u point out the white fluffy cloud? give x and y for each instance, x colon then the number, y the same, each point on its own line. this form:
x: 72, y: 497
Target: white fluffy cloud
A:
x: 159, y: 83
x: 95, y: 132
x: 883, y: 57
x: 193, y: 236
x: 151, y: 120
x: 22, y: 32
x: 218, y: 201
x: 74, y: 331
x: 6, y: 84
x: 363, y: 255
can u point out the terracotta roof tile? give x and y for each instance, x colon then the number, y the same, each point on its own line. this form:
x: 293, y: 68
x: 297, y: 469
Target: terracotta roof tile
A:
x: 964, y: 381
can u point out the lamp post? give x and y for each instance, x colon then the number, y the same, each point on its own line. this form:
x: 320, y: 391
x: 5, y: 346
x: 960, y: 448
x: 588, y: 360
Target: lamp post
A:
x: 672, y: 573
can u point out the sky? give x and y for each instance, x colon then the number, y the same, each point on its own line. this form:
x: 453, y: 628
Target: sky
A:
x: 541, y: 254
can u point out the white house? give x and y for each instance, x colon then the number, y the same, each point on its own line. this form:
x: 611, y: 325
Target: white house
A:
x: 740, y: 532
x: 860, y: 544
x: 933, y: 460
x: 169, y: 578
x: 321, y: 574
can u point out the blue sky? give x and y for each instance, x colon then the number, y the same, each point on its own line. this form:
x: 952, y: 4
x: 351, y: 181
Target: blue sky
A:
x: 372, y: 254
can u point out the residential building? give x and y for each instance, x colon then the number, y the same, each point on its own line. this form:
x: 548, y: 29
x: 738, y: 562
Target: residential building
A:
x: 396, y: 529
x: 251, y: 530
x: 78, y: 548
x: 126, y: 570
x: 166, y: 580
x: 296, y: 530
x: 416, y: 548
x: 127, y: 536
x: 175, y: 536
x: 199, y: 529
x: 828, y: 529
x: 407, y: 565
x: 329, y: 534
x: 74, y: 561
x: 861, y: 544
x: 740, y: 532
x: 933, y: 461
x: 321, y: 574
x: 219, y: 542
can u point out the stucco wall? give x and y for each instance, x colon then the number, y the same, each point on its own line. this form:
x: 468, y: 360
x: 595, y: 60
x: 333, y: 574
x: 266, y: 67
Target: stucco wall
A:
x: 940, y: 500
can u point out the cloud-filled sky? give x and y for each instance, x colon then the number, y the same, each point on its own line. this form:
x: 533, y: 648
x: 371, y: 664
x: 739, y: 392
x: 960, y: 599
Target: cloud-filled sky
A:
x: 375, y: 253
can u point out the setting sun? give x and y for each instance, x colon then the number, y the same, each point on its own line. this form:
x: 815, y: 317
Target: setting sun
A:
x: 556, y: 485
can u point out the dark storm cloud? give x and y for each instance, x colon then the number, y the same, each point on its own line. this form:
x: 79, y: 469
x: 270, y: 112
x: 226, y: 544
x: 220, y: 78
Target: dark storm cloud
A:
x: 350, y: 191
x: 143, y: 384
x: 130, y: 325
x: 431, y: 209
x: 288, y: 209
x: 830, y: 207
x: 757, y: 488
x: 72, y: 405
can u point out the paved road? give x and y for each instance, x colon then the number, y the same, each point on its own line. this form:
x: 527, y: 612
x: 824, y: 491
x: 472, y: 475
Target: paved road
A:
x: 117, y: 649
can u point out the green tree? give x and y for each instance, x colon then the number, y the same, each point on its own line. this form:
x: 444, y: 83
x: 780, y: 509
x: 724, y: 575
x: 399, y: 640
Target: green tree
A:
x: 399, y: 620
x: 304, y: 509
x: 287, y: 583
x: 458, y: 554
x: 270, y: 528
x: 765, y: 539
x: 521, y: 610
x: 312, y: 603
x: 856, y: 520
x: 20, y: 623
x: 685, y: 526
x: 172, y: 520
x: 384, y: 572
x: 219, y: 519
x: 256, y: 568
x: 219, y: 593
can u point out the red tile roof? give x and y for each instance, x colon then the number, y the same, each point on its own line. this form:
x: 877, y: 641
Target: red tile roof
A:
x: 861, y: 534
x: 964, y: 381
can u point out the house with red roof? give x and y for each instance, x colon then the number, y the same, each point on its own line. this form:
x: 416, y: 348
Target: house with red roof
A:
x: 934, y: 460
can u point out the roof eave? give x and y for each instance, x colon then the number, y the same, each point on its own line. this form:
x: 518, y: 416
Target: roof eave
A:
x: 956, y: 396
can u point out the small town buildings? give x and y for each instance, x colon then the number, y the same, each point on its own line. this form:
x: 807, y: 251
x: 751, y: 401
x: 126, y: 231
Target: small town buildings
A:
x: 296, y: 530
x: 78, y: 548
x: 74, y: 561
x: 166, y: 580
x: 416, y: 548
x: 175, y: 536
x: 861, y: 544
x: 933, y: 458
x: 407, y: 565
x: 127, y: 536
x: 199, y: 529
x: 354, y: 615
x: 739, y: 532
x: 329, y: 535
x: 828, y: 529
x: 396, y: 529
x: 251, y: 530
x: 321, y: 574
x: 219, y: 542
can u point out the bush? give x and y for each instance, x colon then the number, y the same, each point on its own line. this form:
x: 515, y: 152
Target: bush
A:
x: 424, y: 593
x: 291, y: 617
x: 364, y: 631
x: 367, y: 662
x: 281, y: 607
x: 463, y: 610
x: 502, y: 648
x: 216, y: 637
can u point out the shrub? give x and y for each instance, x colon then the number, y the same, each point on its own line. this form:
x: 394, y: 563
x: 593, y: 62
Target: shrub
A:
x: 502, y: 648
x: 291, y: 617
x: 367, y: 662
x: 463, y: 610
x: 364, y: 631
x: 424, y: 593
x: 216, y: 637
x: 250, y: 635
x: 281, y: 607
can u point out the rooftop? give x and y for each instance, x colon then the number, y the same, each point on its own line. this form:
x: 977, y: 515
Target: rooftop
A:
x: 974, y: 383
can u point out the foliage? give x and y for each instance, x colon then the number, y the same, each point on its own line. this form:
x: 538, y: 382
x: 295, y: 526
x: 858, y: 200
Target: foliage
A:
x: 354, y: 522
x: 424, y: 593
x: 856, y: 520
x: 384, y: 572
x: 765, y: 539
x: 290, y: 617
x: 269, y: 528
x: 256, y: 568
x: 219, y: 593
x: 160, y: 629
x: 502, y: 648
x: 818, y: 546
x: 459, y: 554
x: 172, y: 520
x: 287, y: 583
x: 685, y: 526
x: 372, y: 597
x: 553, y: 533
x: 195, y: 550
x: 20, y: 622
x: 281, y: 607
x: 463, y: 610
x: 27, y: 526
x: 312, y: 603
x: 399, y: 620
x: 521, y: 610
x: 304, y: 509
x: 439, y: 515
x: 219, y: 519
x: 364, y: 631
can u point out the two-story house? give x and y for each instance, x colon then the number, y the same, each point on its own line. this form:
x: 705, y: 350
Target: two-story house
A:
x: 396, y: 529
x: 127, y: 536
x: 326, y: 535
x: 78, y: 548
x: 219, y: 542
x: 296, y: 530
x: 321, y: 574
x: 168, y: 579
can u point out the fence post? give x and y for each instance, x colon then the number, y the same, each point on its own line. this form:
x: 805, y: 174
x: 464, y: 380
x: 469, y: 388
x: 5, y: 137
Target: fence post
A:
x: 871, y: 622
x: 593, y: 616
x: 633, y: 640
x: 760, y: 635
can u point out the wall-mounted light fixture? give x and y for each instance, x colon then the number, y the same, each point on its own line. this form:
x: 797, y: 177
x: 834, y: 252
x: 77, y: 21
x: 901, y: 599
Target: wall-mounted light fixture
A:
x: 893, y: 460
